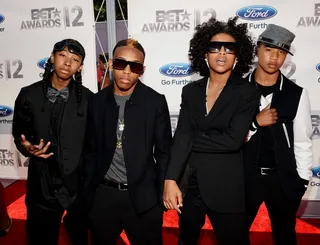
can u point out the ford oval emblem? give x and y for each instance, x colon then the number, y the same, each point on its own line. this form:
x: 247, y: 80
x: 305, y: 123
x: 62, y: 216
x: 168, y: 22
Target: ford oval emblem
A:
x: 5, y: 111
x: 257, y: 12
x: 42, y: 63
x: 2, y: 18
x: 176, y: 70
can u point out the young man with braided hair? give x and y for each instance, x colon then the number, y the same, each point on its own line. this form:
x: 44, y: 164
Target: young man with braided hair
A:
x: 49, y: 126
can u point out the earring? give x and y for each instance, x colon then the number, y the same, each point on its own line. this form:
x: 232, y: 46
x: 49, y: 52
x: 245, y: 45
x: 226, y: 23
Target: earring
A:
x: 206, y: 62
x: 234, y: 65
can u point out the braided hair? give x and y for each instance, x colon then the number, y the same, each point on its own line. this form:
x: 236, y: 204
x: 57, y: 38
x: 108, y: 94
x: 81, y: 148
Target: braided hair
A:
x: 46, y: 79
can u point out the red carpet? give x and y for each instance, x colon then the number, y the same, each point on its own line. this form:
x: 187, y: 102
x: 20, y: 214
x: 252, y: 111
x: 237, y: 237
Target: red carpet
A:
x: 308, y: 230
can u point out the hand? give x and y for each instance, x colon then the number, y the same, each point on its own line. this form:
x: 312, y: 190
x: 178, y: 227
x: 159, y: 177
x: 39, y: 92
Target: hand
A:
x: 36, y: 150
x: 172, y: 196
x: 267, y: 116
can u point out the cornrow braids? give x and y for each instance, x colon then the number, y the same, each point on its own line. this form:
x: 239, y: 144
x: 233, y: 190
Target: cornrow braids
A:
x: 78, y: 84
x: 46, y: 80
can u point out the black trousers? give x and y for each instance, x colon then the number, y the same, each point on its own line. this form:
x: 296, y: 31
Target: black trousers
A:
x: 43, y: 225
x: 113, y: 211
x: 282, y: 212
x: 229, y: 228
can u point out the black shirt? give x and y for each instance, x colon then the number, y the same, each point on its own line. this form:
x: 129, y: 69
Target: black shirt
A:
x: 266, y: 158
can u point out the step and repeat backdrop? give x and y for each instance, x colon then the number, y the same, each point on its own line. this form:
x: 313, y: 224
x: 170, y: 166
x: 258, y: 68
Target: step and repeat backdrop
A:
x: 165, y: 28
x: 28, y: 31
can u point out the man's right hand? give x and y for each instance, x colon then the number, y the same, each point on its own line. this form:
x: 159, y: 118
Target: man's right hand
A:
x: 36, y: 150
x: 172, y: 196
x: 267, y: 116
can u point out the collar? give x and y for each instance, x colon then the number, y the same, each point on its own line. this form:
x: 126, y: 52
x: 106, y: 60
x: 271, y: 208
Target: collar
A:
x: 278, y: 84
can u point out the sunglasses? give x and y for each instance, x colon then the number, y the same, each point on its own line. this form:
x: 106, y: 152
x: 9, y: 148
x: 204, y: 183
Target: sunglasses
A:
x: 229, y: 47
x: 135, y: 67
x: 72, y: 46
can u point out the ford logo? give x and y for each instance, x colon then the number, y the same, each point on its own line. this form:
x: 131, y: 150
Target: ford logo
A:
x: 5, y: 111
x: 42, y: 63
x: 1, y: 18
x: 316, y: 172
x: 318, y: 67
x: 257, y: 12
x: 176, y: 70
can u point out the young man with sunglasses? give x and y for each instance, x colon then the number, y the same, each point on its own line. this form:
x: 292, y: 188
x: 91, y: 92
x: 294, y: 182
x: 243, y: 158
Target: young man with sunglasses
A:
x: 215, y: 116
x: 278, y: 154
x: 126, y: 154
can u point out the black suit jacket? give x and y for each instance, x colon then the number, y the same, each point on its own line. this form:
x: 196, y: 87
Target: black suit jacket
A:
x: 146, y: 143
x: 212, y: 144
x: 32, y: 118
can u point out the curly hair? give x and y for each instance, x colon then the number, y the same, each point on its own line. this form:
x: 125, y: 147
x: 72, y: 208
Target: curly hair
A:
x: 203, y: 35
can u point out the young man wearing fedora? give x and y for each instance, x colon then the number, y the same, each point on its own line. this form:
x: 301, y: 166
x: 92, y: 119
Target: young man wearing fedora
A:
x: 278, y: 153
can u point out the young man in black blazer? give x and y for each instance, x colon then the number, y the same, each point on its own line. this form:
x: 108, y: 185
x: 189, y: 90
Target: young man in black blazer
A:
x: 49, y: 126
x: 278, y: 154
x: 126, y: 154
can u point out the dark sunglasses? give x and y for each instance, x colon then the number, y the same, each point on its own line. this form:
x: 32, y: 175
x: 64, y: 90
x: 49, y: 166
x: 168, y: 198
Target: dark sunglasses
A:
x: 135, y: 67
x: 72, y: 46
x: 229, y: 47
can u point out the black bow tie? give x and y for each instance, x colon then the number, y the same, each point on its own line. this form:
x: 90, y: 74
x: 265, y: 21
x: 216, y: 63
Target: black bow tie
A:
x: 52, y: 94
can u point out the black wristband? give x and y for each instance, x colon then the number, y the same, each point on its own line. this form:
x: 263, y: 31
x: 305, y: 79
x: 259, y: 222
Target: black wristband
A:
x: 255, y: 122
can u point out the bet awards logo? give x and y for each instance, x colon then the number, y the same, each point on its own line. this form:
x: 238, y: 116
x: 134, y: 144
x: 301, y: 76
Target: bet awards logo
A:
x: 6, y: 158
x: 315, y: 119
x: 311, y: 21
x: 53, y: 17
x: 176, y: 20
x: 11, y: 69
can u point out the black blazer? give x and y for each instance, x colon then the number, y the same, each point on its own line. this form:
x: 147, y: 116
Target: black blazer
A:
x: 32, y: 118
x: 212, y: 144
x: 146, y: 143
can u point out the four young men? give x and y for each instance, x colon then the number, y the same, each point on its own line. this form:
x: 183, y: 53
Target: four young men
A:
x: 128, y: 139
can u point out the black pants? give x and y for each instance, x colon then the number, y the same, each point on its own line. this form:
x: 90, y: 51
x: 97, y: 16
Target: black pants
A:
x: 228, y: 227
x: 282, y: 212
x: 43, y: 226
x: 113, y: 211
